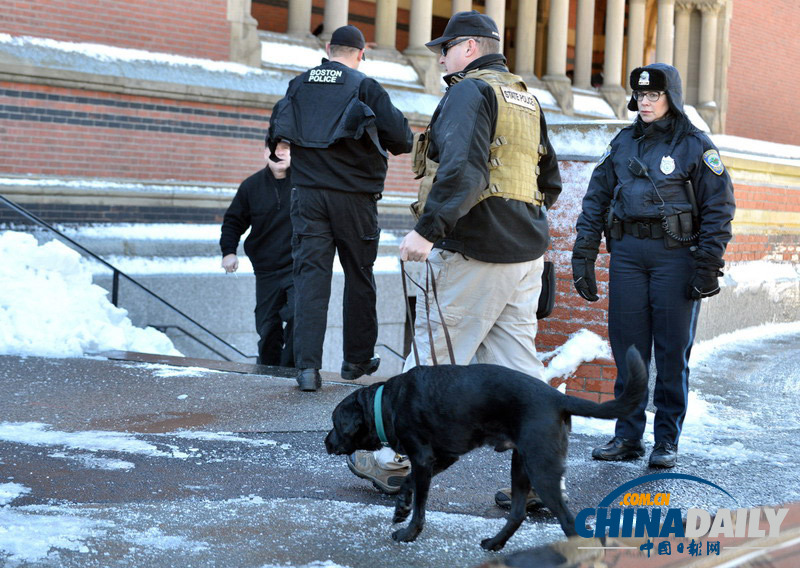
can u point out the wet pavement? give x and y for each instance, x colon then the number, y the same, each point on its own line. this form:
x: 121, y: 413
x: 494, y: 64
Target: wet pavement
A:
x: 166, y: 488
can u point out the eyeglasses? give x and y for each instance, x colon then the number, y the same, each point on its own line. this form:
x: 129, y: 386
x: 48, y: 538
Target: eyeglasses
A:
x: 446, y: 47
x: 652, y: 96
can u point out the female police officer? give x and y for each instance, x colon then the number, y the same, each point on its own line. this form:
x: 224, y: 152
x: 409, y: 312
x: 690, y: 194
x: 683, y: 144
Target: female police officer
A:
x: 665, y: 202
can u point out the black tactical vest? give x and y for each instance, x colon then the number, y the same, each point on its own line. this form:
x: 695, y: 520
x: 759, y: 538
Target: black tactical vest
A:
x: 322, y: 107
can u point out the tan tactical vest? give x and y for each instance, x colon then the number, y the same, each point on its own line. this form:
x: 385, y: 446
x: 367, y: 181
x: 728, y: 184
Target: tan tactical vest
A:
x: 513, y: 154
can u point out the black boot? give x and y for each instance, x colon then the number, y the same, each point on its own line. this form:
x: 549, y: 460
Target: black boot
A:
x: 351, y: 371
x: 664, y: 454
x: 309, y: 379
x: 619, y: 449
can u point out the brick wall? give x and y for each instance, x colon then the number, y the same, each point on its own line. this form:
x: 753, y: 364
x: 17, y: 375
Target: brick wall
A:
x: 56, y: 132
x: 63, y: 132
x: 185, y: 27
x: 762, y: 79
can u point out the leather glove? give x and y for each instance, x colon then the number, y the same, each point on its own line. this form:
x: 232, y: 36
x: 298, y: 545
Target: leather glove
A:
x: 584, y: 255
x: 704, y: 283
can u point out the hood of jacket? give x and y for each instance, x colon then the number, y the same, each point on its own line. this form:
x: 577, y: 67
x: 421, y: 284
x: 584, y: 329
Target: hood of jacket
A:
x: 661, y: 77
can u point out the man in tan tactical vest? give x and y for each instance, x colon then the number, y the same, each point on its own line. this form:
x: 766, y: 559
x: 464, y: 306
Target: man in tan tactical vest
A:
x: 488, y: 176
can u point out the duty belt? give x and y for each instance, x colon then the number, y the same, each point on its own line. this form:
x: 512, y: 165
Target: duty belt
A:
x: 643, y: 229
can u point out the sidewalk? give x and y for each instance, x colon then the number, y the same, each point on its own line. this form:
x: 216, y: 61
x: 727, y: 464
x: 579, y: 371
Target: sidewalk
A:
x: 118, y: 463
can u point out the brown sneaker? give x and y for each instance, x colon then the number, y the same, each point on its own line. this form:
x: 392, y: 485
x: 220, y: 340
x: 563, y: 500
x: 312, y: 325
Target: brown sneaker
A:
x: 363, y: 464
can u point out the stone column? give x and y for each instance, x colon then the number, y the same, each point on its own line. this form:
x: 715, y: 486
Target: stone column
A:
x: 385, y: 23
x: 584, y: 44
x: 556, y: 76
x: 636, y: 25
x: 335, y: 17
x: 664, y: 31
x: 461, y: 5
x: 496, y: 10
x: 525, y: 45
x: 683, y: 16
x: 419, y: 25
x: 299, y: 17
x: 707, y: 106
x: 612, y: 88
x: 419, y: 33
x: 245, y: 47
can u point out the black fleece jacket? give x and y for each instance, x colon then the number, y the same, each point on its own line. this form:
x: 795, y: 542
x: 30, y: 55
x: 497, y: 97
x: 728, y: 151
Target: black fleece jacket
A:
x: 496, y: 229
x: 262, y: 203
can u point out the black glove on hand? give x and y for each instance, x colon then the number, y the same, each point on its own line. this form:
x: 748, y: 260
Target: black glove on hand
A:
x: 704, y: 283
x: 583, y: 256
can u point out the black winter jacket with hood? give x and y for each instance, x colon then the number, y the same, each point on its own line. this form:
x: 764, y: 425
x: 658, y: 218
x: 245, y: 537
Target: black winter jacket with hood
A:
x: 693, y: 157
x: 496, y: 229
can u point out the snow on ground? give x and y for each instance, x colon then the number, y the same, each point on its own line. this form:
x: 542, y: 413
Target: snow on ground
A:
x: 84, y: 446
x: 706, y: 420
x: 49, y: 306
x: 40, y: 435
x: 178, y: 530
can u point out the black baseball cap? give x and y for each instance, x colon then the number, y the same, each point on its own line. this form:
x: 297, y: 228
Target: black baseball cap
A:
x: 462, y: 24
x: 350, y: 36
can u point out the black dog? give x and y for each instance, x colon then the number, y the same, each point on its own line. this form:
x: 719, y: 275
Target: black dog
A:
x: 436, y: 414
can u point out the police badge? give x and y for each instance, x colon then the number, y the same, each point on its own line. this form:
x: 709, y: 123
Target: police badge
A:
x: 667, y: 165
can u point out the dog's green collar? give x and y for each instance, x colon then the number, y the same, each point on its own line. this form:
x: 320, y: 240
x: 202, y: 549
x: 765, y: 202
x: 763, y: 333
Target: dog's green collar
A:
x: 378, y: 410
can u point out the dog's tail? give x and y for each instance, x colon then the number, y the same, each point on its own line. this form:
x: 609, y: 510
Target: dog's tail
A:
x: 635, y: 390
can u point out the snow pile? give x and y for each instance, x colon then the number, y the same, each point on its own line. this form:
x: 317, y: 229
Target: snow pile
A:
x: 582, y: 346
x: 49, y: 306
x: 777, y: 278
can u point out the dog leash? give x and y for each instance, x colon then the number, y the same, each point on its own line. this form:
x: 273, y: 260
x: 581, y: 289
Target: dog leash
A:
x: 430, y: 286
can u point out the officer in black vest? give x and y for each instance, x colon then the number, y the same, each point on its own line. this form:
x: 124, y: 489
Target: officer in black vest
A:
x: 340, y: 124
x: 665, y: 202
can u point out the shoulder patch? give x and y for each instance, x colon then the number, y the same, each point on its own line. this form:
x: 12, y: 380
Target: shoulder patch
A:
x: 714, y: 162
x: 605, y: 155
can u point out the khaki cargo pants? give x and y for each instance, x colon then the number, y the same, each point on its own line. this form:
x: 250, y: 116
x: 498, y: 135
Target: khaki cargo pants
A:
x: 490, y: 312
x: 489, y: 309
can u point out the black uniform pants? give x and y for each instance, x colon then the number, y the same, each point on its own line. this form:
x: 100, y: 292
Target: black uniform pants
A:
x: 325, y: 222
x: 274, y: 308
x: 649, y: 308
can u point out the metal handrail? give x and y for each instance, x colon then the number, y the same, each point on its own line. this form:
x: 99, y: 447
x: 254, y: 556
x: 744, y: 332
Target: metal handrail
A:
x: 117, y: 273
x: 164, y: 327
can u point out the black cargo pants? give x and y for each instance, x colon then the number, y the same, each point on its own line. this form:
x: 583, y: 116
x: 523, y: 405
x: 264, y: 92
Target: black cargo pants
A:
x: 275, y: 316
x: 325, y: 222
